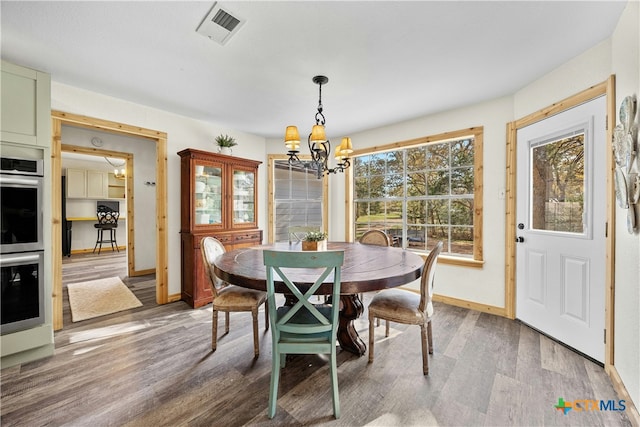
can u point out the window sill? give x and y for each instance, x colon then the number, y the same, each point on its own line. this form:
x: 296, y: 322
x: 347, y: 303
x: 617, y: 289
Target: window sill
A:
x: 459, y: 261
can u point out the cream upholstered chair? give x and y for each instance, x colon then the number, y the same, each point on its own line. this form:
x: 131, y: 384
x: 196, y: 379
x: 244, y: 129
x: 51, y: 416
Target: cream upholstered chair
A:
x: 228, y: 298
x: 375, y: 237
x: 406, y: 307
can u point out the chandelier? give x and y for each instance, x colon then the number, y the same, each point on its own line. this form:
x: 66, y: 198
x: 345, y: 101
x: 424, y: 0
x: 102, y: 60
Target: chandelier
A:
x: 118, y: 170
x: 319, y: 145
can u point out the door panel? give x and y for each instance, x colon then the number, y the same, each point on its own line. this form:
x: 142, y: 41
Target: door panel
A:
x: 560, y: 273
x: 576, y: 288
x: 536, y: 277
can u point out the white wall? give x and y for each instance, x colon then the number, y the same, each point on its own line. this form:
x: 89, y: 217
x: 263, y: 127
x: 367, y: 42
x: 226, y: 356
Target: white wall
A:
x: 626, y: 66
x: 485, y: 285
x: 182, y: 132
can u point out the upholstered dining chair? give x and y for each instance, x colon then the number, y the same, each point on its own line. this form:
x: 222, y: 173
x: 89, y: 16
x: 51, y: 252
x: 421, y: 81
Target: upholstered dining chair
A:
x: 397, y: 305
x: 228, y: 298
x: 303, y: 328
x: 375, y: 237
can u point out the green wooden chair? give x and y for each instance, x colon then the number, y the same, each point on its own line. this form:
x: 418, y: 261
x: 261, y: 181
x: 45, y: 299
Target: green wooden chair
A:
x: 303, y: 328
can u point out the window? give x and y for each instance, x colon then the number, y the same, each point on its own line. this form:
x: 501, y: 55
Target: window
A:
x: 298, y: 197
x: 423, y: 191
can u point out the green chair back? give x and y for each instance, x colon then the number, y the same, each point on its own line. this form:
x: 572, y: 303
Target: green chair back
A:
x: 303, y: 328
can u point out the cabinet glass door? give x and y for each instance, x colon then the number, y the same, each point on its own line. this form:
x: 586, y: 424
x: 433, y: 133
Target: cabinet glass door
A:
x: 207, y: 195
x: 243, y: 197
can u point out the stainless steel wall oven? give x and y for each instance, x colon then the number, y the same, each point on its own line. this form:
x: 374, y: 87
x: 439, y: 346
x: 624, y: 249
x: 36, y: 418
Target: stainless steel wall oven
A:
x: 21, y: 244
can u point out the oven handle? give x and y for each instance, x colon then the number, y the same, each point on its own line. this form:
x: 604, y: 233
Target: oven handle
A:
x: 19, y: 181
x: 19, y: 259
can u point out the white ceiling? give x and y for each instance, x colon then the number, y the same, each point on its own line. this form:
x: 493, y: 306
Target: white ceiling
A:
x: 387, y: 61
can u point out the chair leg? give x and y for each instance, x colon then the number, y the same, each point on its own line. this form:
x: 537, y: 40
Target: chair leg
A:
x: 266, y: 316
x: 425, y: 352
x: 430, y: 337
x: 386, y: 327
x: 256, y: 345
x: 226, y: 322
x: 97, y: 241
x: 334, y: 384
x: 114, y: 241
x: 275, y: 378
x: 371, y: 338
x: 214, y: 330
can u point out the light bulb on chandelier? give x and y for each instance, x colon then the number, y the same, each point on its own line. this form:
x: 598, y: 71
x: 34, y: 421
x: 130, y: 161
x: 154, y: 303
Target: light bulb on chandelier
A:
x: 319, y: 145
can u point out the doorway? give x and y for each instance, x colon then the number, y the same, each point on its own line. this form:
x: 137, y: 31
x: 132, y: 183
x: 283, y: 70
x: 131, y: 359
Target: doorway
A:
x: 160, y: 139
x: 606, y: 90
x: 560, y: 250
x: 94, y: 168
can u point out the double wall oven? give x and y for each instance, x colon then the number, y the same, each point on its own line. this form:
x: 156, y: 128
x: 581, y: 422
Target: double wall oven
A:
x: 21, y: 244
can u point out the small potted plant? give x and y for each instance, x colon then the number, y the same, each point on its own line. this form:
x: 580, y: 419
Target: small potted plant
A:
x: 225, y: 142
x: 315, y: 241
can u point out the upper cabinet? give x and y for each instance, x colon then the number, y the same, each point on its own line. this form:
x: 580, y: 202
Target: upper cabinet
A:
x: 76, y: 183
x: 25, y: 105
x: 218, y: 192
x: 93, y: 184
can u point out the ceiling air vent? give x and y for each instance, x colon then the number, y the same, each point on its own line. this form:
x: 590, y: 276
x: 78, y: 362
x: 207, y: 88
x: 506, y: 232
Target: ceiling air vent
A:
x: 220, y: 24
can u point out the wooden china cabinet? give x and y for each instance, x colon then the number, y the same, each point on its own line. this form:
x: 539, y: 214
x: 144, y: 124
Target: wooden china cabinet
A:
x: 219, y: 198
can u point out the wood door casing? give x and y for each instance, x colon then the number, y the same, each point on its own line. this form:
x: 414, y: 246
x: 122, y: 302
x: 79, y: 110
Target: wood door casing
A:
x: 160, y: 138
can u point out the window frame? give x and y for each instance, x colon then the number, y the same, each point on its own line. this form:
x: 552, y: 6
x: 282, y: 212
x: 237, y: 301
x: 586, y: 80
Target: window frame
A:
x: 477, y: 260
x: 271, y: 228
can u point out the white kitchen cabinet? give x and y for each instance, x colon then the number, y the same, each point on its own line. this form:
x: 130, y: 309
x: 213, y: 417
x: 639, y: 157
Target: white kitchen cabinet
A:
x: 97, y: 184
x: 26, y: 106
x: 76, y: 183
x: 87, y: 184
x: 25, y: 131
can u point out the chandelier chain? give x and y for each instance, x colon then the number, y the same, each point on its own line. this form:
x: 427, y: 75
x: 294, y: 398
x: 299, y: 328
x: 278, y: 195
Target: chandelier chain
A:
x: 124, y: 162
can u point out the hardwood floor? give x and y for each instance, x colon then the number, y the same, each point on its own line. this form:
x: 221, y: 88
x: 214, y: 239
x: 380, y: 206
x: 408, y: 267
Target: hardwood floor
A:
x: 152, y: 366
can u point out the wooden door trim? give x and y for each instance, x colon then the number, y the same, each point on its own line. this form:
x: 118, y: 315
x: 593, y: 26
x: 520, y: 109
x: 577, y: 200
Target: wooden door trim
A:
x: 606, y: 88
x: 131, y: 271
x: 60, y: 118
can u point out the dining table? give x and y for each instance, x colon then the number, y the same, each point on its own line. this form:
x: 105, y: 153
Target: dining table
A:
x: 366, y: 268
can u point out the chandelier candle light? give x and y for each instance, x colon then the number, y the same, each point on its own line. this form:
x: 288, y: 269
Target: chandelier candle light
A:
x: 319, y: 145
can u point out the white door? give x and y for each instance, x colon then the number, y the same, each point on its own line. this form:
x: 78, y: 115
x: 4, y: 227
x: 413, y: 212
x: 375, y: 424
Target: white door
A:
x: 561, y: 191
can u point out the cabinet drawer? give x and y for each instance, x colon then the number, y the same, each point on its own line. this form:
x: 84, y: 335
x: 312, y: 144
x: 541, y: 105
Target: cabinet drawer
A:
x: 248, y: 236
x: 224, y: 238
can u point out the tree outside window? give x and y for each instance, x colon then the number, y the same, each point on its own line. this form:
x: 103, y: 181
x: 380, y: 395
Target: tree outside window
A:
x: 421, y: 193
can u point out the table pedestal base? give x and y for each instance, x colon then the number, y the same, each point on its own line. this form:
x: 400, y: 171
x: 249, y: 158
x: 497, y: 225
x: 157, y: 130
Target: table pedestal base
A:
x: 348, y: 337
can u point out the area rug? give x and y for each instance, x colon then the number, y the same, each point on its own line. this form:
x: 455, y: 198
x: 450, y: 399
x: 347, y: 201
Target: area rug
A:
x: 99, y: 297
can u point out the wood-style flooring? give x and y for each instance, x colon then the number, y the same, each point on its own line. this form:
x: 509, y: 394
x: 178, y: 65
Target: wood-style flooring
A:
x: 152, y: 366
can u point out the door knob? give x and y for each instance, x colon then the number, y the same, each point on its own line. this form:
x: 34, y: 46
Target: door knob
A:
x: 519, y: 239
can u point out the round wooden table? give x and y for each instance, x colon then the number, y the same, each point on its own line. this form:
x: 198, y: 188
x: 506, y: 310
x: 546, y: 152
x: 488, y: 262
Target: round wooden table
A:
x: 366, y: 268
